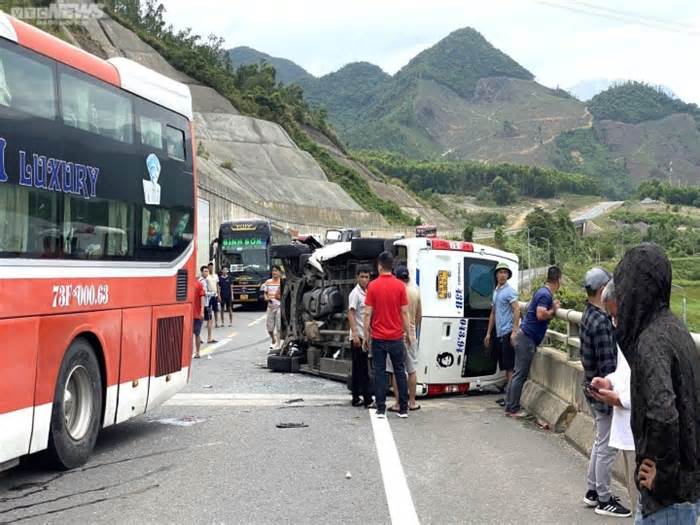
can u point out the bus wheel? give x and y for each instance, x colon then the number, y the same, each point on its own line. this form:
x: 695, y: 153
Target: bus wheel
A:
x: 77, y: 407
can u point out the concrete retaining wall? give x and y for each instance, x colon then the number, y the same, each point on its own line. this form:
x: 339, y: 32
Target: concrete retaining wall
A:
x: 555, y: 396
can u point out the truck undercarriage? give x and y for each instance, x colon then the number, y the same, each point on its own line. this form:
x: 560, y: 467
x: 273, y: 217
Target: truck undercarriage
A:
x: 314, y: 304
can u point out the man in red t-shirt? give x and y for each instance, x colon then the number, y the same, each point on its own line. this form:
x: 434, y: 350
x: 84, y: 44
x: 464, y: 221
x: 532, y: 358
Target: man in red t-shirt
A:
x: 198, y: 314
x: 386, y: 321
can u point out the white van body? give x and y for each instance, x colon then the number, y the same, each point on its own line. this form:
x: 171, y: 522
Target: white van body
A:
x: 456, y: 283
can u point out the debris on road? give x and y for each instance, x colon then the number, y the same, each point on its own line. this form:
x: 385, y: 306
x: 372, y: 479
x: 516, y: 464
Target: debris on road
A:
x: 295, y: 400
x: 186, y: 421
x: 292, y: 425
x: 208, y: 386
x: 348, y: 475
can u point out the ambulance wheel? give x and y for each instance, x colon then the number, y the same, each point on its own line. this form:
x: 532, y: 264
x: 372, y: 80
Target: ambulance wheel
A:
x: 77, y: 407
x: 367, y: 247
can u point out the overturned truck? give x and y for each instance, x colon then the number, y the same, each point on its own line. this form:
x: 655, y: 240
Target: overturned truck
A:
x: 455, y: 280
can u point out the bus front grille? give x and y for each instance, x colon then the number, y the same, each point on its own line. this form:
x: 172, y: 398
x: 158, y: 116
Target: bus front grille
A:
x: 169, y: 345
x: 181, y: 286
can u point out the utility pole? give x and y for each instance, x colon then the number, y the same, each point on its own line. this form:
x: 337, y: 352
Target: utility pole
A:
x: 529, y: 261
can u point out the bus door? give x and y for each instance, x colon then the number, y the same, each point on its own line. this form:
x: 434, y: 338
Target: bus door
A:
x: 443, y: 330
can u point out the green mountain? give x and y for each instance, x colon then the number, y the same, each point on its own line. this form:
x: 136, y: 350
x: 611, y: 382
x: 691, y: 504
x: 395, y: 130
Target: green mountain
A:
x: 635, y: 102
x: 463, y: 99
x: 459, y: 60
x: 639, y: 132
x: 350, y: 89
x: 459, y: 99
x: 287, y: 71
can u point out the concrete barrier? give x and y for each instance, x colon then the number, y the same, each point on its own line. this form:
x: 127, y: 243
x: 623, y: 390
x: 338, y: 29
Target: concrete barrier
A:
x: 554, y: 393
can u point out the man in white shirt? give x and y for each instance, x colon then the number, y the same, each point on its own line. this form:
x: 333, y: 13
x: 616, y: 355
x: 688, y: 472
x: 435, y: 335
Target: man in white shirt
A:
x: 360, y: 363
x: 614, y: 390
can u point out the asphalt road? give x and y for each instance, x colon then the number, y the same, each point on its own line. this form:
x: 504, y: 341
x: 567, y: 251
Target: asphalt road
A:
x: 595, y: 211
x: 214, y: 454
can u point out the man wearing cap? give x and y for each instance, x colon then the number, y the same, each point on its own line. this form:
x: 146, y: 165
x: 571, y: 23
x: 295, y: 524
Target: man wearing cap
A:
x: 599, y: 358
x: 505, y: 317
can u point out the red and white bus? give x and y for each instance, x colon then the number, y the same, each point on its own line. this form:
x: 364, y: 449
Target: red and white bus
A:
x: 97, y: 255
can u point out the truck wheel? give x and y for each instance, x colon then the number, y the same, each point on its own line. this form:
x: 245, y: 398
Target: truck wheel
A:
x: 366, y: 248
x: 77, y: 407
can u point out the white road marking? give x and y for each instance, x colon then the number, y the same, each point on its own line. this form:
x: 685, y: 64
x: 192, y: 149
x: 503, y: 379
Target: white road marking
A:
x: 398, y: 495
x: 261, y: 318
x: 259, y: 400
x: 209, y: 348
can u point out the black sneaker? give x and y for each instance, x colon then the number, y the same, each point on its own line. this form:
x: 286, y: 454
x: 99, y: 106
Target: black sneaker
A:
x: 591, y: 499
x: 613, y: 508
x: 403, y: 414
x: 356, y: 402
x: 381, y: 414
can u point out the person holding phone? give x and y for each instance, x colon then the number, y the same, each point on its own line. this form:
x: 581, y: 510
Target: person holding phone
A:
x: 614, y: 390
x: 599, y: 358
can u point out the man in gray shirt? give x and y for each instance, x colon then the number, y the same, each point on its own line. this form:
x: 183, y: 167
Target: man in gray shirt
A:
x: 360, y: 366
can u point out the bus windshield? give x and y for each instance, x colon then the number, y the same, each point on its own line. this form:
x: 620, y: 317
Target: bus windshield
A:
x: 243, y: 258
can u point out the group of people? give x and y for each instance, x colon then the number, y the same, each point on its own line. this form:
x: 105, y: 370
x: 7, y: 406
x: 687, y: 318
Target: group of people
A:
x: 642, y: 381
x: 384, y: 316
x: 213, y: 296
x: 643, y: 385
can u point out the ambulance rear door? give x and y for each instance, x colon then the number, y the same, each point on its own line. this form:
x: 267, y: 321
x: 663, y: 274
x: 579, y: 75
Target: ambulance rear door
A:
x: 443, y: 328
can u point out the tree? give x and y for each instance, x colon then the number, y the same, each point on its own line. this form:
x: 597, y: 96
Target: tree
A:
x: 500, y: 238
x: 503, y: 193
x: 418, y: 221
x: 468, y: 233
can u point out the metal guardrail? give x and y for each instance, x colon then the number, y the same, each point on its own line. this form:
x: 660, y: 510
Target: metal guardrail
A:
x: 570, y: 339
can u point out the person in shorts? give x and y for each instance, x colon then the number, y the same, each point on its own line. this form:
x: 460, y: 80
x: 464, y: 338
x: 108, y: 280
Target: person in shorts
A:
x: 226, y: 295
x: 272, y: 289
x: 505, y: 319
x: 203, y: 280
x: 410, y: 349
x: 198, y: 308
x: 213, y: 295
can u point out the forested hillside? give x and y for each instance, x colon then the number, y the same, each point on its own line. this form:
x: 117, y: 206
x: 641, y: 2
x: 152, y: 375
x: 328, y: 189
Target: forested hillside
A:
x: 635, y: 102
x: 287, y: 71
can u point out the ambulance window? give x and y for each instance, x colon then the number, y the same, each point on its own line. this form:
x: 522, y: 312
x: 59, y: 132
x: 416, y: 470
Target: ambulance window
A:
x: 480, y: 284
x: 400, y: 252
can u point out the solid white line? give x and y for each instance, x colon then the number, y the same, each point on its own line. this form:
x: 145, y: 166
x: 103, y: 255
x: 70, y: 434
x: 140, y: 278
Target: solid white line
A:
x: 210, y: 348
x: 398, y: 495
x: 253, y: 323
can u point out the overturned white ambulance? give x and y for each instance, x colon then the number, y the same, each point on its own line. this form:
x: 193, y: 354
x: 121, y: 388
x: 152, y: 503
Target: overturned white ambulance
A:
x: 456, y: 283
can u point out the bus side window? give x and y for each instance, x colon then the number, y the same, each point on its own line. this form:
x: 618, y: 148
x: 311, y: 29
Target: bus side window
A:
x: 176, y: 142
x: 27, y: 84
x: 151, y: 132
x: 98, y: 109
x: 5, y: 96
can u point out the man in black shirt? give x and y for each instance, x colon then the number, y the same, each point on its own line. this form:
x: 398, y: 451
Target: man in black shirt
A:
x: 665, y: 388
x: 226, y: 295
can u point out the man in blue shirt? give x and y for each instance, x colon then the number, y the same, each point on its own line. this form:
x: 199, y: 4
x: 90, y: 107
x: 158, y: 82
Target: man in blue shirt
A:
x: 542, y: 308
x: 505, y: 316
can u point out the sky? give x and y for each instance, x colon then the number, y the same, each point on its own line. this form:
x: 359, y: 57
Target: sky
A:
x: 562, y: 42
